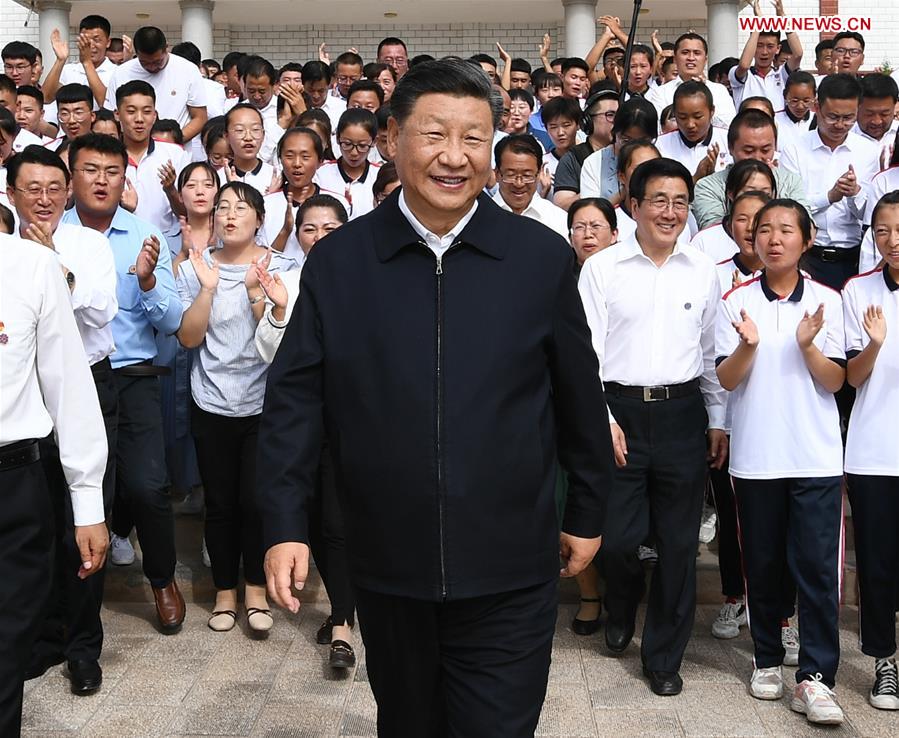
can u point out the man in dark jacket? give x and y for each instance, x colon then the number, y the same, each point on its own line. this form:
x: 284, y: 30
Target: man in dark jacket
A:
x: 441, y: 344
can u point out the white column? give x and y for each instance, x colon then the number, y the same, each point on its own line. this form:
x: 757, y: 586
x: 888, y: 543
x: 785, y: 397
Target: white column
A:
x: 723, y: 29
x: 53, y: 14
x: 196, y: 24
x: 580, y: 26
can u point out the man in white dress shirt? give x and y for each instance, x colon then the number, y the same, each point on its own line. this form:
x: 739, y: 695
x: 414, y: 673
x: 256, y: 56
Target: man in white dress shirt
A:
x: 92, y: 68
x: 45, y: 386
x: 519, y: 160
x: 875, y: 114
x: 651, y: 304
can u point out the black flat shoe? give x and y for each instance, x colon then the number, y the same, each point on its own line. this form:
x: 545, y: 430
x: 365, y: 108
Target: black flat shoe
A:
x: 86, y: 677
x: 587, y: 627
x: 323, y: 636
x: 664, y: 683
x: 342, y: 655
x: 38, y: 665
x: 618, y: 636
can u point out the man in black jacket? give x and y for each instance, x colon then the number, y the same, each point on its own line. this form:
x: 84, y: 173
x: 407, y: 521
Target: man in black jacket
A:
x: 441, y: 344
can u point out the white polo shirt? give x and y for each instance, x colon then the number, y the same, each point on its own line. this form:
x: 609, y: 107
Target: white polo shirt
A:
x: 357, y: 192
x: 870, y: 441
x: 260, y: 177
x: 885, y: 181
x: 73, y: 73
x: 276, y: 209
x: 663, y: 96
x: 25, y: 138
x: 674, y: 146
x: 784, y: 424
x: 178, y: 85
x: 654, y: 325
x: 152, y: 203
x: 714, y: 242
x: 789, y: 130
x: 839, y: 223
x: 884, y: 143
x: 770, y: 85
x: 334, y: 107
x: 541, y: 210
x: 87, y: 254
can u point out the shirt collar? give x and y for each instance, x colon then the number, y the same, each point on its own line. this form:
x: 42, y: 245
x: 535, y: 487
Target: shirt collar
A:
x: 119, y: 220
x: 818, y: 143
x: 396, y: 227
x: 892, y: 286
x: 254, y: 171
x: 808, y: 114
x: 772, y: 296
x: 532, y: 205
x: 738, y: 262
x: 631, y: 248
x: 347, y: 178
x: 151, y: 147
x: 693, y: 144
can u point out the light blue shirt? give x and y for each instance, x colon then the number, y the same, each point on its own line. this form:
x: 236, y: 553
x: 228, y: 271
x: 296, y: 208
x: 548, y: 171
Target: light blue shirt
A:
x: 140, y: 313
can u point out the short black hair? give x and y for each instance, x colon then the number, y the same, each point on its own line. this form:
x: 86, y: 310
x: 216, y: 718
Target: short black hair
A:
x: 890, y: 198
x: 802, y: 214
x: 746, y: 102
x: 315, y: 115
x: 608, y: 211
x: 7, y: 220
x: 646, y: 51
x: 116, y: 44
x: 302, y: 131
x: 167, y: 125
x: 690, y: 36
x: 653, y: 168
x: 520, y: 65
x: 34, y: 154
x: 211, y: 64
x: 245, y: 193
x: 665, y: 115
x: 192, y: 167
x: 188, y: 50
x: 19, y: 50
x: 134, y: 87
x: 6, y: 84
x: 373, y: 69
x: 149, y: 40
x: 366, y: 85
x: 740, y: 173
x: 482, y: 59
x: 751, y: 118
x: 392, y: 41
x: 92, y: 22
x: 853, y: 35
x: 8, y: 123
x: 106, y: 115
x: 315, y: 71
x: 519, y: 143
x: 637, y: 112
x: 419, y: 59
x: 322, y: 201
x: 800, y: 78
x: 290, y: 67
x: 448, y: 77
x: 609, y: 50
x: 772, y: 34
x: 75, y: 93
x: 841, y: 86
x: 358, y: 117
x: 874, y: 86
x: 518, y: 93
x: 575, y: 62
x: 694, y: 87
x: 31, y: 91
x: 242, y: 106
x: 543, y: 79
x: 258, y: 66
x: 629, y: 149
x: 823, y: 46
x: 351, y: 58
x: 231, y: 59
x: 382, y: 115
x: 99, y: 142
x: 561, y: 107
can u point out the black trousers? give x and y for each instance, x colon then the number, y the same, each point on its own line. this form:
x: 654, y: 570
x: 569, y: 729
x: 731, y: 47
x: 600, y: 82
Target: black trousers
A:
x: 660, y: 492
x: 730, y: 568
x: 26, y: 569
x: 226, y: 456
x: 72, y: 626
x: 832, y: 273
x: 141, y: 476
x: 875, y: 517
x: 800, y: 522
x: 328, y: 542
x: 474, y: 668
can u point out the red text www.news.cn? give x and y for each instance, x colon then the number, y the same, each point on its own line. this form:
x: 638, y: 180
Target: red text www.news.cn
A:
x: 810, y: 23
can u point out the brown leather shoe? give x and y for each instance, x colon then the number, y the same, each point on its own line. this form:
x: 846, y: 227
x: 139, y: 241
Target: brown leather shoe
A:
x: 170, y: 608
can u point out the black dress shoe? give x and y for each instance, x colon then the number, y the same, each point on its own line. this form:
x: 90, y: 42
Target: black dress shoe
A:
x: 618, y: 635
x: 86, y: 676
x: 323, y: 636
x: 39, y: 664
x: 587, y: 627
x: 664, y: 683
x: 342, y: 655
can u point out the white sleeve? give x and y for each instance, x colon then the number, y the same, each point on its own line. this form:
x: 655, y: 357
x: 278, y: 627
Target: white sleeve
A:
x: 835, y: 336
x: 196, y: 92
x: 726, y: 337
x: 592, y: 289
x: 94, y: 297
x: 70, y: 397
x: 854, y: 333
x: 714, y: 396
x: 269, y: 331
x: 591, y: 176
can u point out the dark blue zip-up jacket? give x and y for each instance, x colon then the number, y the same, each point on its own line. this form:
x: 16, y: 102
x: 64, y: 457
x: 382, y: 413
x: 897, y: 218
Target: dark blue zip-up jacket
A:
x: 447, y: 393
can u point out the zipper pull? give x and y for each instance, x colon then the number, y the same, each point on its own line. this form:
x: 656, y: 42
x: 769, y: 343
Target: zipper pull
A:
x: 439, y: 265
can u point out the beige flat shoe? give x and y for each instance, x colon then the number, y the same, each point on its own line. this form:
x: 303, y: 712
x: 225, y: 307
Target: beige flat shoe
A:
x: 222, y: 620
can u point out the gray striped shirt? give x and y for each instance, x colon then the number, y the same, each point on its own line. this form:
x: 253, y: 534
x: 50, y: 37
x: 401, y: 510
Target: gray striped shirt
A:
x: 228, y: 375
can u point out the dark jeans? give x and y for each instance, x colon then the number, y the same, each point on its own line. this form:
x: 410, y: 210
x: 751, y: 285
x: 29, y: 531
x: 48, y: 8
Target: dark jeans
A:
x: 474, y: 668
x: 226, y: 455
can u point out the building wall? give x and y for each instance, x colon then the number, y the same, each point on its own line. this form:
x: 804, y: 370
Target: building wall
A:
x: 12, y: 24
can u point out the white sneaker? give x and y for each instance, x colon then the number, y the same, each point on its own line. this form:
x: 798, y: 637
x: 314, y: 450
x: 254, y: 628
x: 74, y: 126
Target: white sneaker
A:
x: 731, y: 618
x: 204, y: 552
x: 121, y: 552
x: 709, y: 524
x: 885, y: 692
x: 789, y: 637
x: 767, y: 683
x: 816, y: 701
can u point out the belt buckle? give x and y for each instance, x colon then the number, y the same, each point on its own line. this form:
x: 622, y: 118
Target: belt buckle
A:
x: 655, y: 394
x: 829, y: 255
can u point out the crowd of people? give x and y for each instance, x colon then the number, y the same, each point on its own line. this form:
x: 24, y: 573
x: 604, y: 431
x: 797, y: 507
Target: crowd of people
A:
x: 733, y: 230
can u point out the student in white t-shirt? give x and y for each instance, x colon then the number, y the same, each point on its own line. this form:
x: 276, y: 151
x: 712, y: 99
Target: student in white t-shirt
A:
x: 871, y: 310
x: 780, y: 347
x: 245, y: 130
x: 796, y: 116
x: 92, y: 68
x: 353, y: 175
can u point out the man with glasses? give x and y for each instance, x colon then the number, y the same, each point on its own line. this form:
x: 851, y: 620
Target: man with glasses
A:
x: 74, y: 112
x: 348, y: 69
x: 19, y: 59
x: 38, y: 187
x: 392, y: 51
x: 651, y: 303
x: 836, y: 166
x: 149, y: 304
x: 848, y: 52
x: 519, y: 162
x: 257, y: 77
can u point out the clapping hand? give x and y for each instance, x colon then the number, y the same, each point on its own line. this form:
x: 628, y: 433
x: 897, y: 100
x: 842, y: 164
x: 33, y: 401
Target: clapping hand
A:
x: 146, y: 263
x: 544, y: 47
x: 746, y: 329
x: 60, y: 47
x: 272, y: 286
x: 708, y: 163
x: 875, y: 325
x: 846, y: 186
x: 251, y: 279
x: 323, y: 55
x: 503, y: 54
x: 84, y: 48
x: 207, y: 276
x: 127, y: 47
x: 167, y: 175
x: 129, y: 196
x: 809, y: 327
x: 544, y: 182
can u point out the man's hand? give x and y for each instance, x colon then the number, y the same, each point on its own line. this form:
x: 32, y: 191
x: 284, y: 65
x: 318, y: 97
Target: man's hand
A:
x: 846, y: 186
x: 576, y: 553
x: 127, y: 48
x: 717, y: 447
x: 84, y: 49
x: 92, y: 542
x: 503, y: 54
x: 40, y: 233
x: 619, y: 445
x: 146, y: 263
x: 708, y: 163
x: 323, y: 55
x: 129, y: 196
x: 284, y: 564
x: 167, y: 176
x: 60, y: 47
x: 544, y: 47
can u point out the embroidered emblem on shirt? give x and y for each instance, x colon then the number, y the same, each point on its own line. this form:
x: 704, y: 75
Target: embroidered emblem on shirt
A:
x: 174, y: 92
x: 132, y: 269
x: 688, y: 305
x: 4, y: 339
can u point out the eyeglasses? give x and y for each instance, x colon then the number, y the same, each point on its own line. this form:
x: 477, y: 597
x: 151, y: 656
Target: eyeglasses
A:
x: 843, y: 51
x: 33, y: 192
x: 518, y: 178
x: 663, y: 203
x: 609, y: 115
x: 362, y: 148
x: 255, y: 131
x: 582, y: 228
x: 834, y: 119
x: 393, y: 61
x: 240, y: 209
x: 79, y: 115
x: 94, y: 172
x: 807, y: 101
x: 347, y: 79
x: 17, y: 67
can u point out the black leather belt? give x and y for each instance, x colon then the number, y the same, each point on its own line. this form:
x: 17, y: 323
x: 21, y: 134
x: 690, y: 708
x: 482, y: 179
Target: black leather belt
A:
x: 143, y: 369
x: 658, y: 393
x: 21, y: 453
x: 831, y: 254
